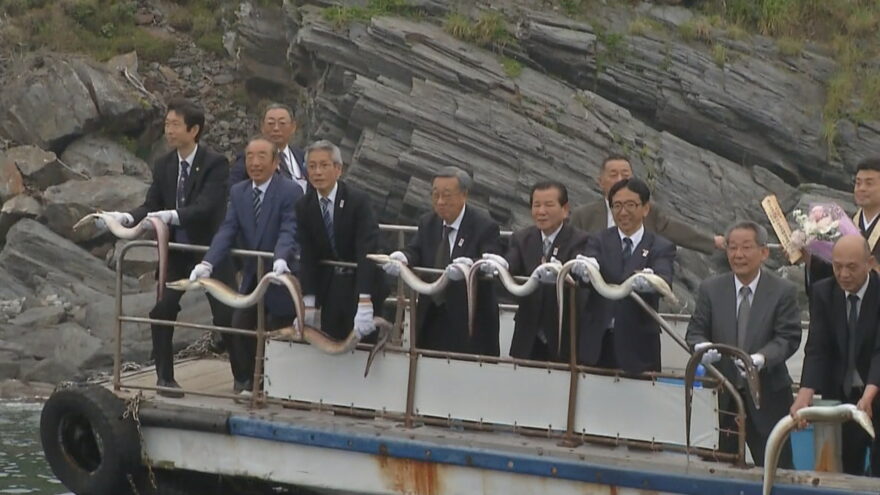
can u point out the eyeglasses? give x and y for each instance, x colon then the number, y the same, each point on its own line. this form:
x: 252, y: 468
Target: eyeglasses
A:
x: 627, y: 205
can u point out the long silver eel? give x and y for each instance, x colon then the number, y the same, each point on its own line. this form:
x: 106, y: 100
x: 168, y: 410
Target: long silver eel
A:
x: 814, y: 414
x: 604, y: 289
x: 129, y: 233
x: 299, y: 331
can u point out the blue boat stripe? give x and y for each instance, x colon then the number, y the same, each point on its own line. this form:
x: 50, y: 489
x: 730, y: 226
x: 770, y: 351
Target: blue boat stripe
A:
x: 510, y: 462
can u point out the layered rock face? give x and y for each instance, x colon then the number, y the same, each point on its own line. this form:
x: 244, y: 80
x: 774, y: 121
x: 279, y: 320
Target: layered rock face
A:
x: 403, y: 98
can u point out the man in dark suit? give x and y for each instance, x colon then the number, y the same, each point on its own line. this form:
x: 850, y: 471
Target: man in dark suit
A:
x: 336, y: 223
x: 756, y: 311
x: 188, y: 192
x: 596, y: 217
x: 618, y: 333
x: 278, y: 126
x: 866, y: 193
x: 260, y: 217
x: 842, y: 357
x: 455, y: 233
x: 535, y: 333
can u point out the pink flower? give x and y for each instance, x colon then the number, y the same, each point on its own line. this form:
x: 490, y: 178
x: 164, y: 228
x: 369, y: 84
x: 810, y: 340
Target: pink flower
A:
x: 817, y: 213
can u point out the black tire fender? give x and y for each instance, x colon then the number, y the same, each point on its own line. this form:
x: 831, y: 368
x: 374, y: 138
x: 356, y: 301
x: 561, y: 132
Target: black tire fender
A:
x: 90, y: 446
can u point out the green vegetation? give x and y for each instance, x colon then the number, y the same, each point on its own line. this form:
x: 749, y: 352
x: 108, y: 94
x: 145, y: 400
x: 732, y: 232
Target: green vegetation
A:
x: 696, y: 29
x: 513, y: 68
x: 343, y: 16
x: 571, y: 7
x: 489, y: 30
x: 101, y: 28
x: 641, y: 26
x: 849, y: 28
x: 789, y: 47
x: 719, y: 54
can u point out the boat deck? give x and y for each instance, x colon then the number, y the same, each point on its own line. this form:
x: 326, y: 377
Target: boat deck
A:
x: 592, y: 462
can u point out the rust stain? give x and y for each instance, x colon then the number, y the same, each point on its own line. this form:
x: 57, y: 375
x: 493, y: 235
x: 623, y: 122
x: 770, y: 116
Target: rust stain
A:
x: 826, y: 461
x: 410, y: 477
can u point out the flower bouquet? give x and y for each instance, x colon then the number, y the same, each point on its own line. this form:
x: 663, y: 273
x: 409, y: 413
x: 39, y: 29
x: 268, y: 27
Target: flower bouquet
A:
x: 818, y: 229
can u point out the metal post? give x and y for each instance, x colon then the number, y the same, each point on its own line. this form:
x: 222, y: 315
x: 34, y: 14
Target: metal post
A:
x: 257, y: 399
x: 117, y: 353
x: 413, y: 362
x: 570, y: 439
x: 397, y: 333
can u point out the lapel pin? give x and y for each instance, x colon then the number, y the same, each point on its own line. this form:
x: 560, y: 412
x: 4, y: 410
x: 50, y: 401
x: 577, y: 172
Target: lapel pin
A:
x: 555, y: 250
x: 197, y: 169
x: 460, y: 242
x: 341, y: 203
x: 644, y: 253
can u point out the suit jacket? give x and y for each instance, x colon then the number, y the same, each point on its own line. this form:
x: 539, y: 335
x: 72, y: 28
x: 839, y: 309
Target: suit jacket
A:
x: 774, y: 331
x: 539, y: 310
x: 275, y: 231
x: 356, y: 233
x: 445, y: 327
x: 593, y: 218
x: 205, y: 193
x: 636, y: 334
x: 826, y: 352
x: 238, y: 172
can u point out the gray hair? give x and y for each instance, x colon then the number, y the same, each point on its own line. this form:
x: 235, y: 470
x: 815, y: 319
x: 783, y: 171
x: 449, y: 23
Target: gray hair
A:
x: 759, y: 230
x: 279, y: 106
x: 464, y: 180
x: 325, y: 145
x: 260, y: 137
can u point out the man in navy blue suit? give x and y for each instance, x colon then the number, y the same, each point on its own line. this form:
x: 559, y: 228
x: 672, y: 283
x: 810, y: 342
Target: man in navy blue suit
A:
x: 278, y: 126
x: 619, y: 334
x: 261, y: 217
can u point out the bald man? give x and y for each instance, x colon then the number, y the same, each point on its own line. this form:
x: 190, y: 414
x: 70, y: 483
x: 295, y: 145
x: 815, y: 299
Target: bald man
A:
x: 842, y: 357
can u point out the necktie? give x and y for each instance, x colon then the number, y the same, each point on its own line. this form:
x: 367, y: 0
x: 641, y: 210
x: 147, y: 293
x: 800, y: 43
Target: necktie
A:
x: 742, y: 316
x: 627, y: 248
x: 547, y: 245
x: 851, y: 323
x: 258, y: 203
x: 441, y: 260
x: 285, y: 166
x: 328, y: 221
x: 181, y: 183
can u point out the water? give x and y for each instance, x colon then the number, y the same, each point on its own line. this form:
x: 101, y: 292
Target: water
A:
x: 23, y: 468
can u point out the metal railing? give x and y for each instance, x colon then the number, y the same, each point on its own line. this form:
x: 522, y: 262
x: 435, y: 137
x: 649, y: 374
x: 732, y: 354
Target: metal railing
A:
x: 410, y: 417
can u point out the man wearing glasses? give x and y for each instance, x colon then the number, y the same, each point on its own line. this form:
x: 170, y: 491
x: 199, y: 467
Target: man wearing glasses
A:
x: 756, y: 311
x: 618, y: 333
x: 596, y: 217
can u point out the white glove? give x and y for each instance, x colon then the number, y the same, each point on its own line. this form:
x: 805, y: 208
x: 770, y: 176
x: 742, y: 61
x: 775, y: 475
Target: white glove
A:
x: 580, y: 271
x: 363, y: 319
x: 546, y: 276
x: 711, y: 356
x: 167, y: 216
x: 452, y: 270
x: 279, y: 267
x: 490, y: 270
x: 125, y: 219
x: 641, y: 284
x: 758, y: 359
x: 202, y: 270
x: 393, y: 269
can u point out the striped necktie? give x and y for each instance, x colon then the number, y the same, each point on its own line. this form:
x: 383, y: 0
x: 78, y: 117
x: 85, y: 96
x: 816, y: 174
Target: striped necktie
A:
x: 285, y: 166
x: 258, y: 203
x: 627, y: 248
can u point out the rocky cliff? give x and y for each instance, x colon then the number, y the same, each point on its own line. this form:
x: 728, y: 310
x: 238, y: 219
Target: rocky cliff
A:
x: 513, y: 92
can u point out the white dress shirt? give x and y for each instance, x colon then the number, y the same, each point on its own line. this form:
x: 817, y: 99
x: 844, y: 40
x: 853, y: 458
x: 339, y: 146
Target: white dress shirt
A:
x: 739, y: 285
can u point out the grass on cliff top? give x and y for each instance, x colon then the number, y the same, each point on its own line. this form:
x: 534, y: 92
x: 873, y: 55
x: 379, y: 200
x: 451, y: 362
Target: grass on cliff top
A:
x: 489, y: 30
x: 848, y: 28
x: 100, y: 28
x: 343, y: 16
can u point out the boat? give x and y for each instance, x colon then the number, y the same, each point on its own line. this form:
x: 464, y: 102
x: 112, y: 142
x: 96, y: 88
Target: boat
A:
x: 419, y: 422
